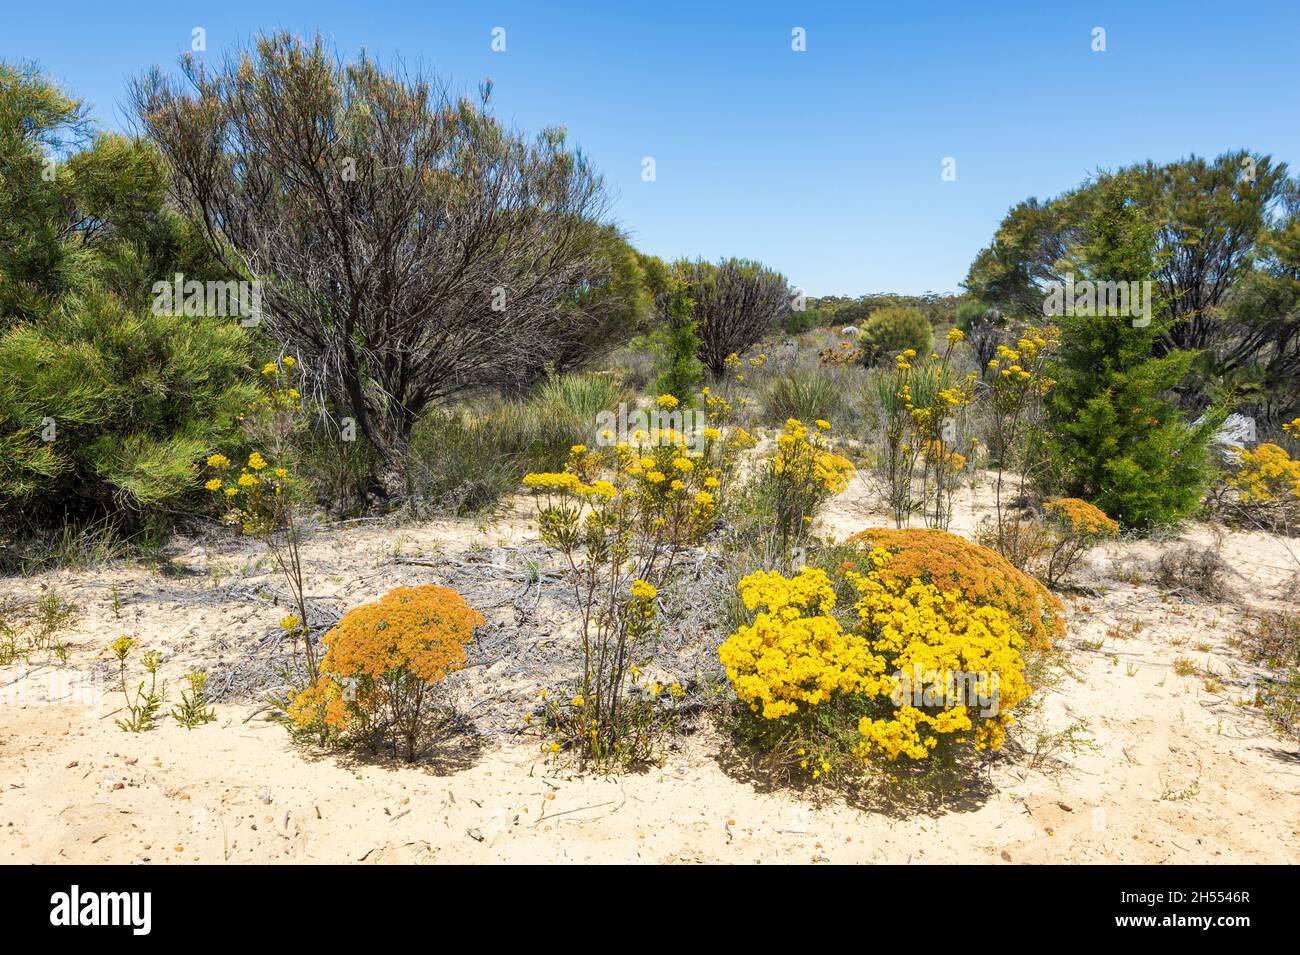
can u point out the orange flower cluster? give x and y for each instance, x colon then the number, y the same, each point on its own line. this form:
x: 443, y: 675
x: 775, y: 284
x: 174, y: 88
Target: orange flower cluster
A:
x: 979, y: 574
x: 420, y: 629
x: 380, y: 660
x: 846, y: 354
x: 1081, y: 517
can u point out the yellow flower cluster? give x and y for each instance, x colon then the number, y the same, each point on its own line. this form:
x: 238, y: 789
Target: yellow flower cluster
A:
x: 257, y: 498
x: 803, y: 455
x: 796, y: 655
x: 786, y: 659
x: 1019, y: 370
x: 919, y: 629
x: 804, y: 473
x: 1267, y: 474
x: 658, y: 479
x: 281, y: 393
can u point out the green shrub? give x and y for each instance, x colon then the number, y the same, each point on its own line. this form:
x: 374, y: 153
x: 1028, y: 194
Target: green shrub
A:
x: 1116, y: 437
x: 104, y: 410
x: 674, y: 341
x: 798, y: 322
x: 893, y: 329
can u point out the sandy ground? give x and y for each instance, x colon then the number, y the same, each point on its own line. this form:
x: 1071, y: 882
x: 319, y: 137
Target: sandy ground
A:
x: 1165, y: 768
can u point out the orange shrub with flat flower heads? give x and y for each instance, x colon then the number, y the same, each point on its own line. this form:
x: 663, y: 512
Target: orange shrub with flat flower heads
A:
x: 1083, y: 518
x: 978, y: 573
x: 1073, y: 528
x: 382, y: 661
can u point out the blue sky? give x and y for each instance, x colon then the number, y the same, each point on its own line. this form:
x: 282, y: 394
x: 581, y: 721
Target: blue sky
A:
x: 824, y: 164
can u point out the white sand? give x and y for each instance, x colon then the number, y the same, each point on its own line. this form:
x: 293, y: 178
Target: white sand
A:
x: 1177, y: 773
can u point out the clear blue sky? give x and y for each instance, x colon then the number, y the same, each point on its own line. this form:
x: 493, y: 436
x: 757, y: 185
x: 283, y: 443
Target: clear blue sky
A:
x: 823, y: 164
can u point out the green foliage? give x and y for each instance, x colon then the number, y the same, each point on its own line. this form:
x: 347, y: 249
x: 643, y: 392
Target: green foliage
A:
x: 1115, y: 437
x: 107, y: 410
x: 142, y: 706
x: 894, y: 329
x: 1259, y: 347
x: 341, y: 473
x: 193, y: 709
x: 466, y: 459
x: 674, y: 341
x: 1212, y: 226
x: 105, y: 407
x: 806, y: 394
x: 798, y: 322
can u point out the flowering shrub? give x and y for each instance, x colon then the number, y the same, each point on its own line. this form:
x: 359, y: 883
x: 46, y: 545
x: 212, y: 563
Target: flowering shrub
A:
x: 922, y: 631
x: 1075, y: 526
x: 1018, y: 383
x: 981, y: 575
x: 1267, y: 484
x: 622, y: 517
x: 804, y: 473
x: 794, y: 654
x: 724, y: 439
x: 382, y: 662
x: 924, y: 403
x: 1266, y: 474
x: 892, y: 670
x: 263, y: 498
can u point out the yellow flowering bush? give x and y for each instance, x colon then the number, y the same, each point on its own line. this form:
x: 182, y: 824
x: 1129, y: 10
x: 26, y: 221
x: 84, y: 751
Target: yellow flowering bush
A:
x: 980, y: 574
x: 622, y: 517
x: 803, y: 473
x: 924, y: 403
x: 794, y: 654
x: 382, y: 663
x: 927, y: 637
x: 914, y: 670
x: 1267, y: 485
x: 1266, y: 474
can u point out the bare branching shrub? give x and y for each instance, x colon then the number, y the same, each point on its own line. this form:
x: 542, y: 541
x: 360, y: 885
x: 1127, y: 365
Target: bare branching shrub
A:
x: 1191, y: 569
x: 409, y: 244
x: 735, y: 303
